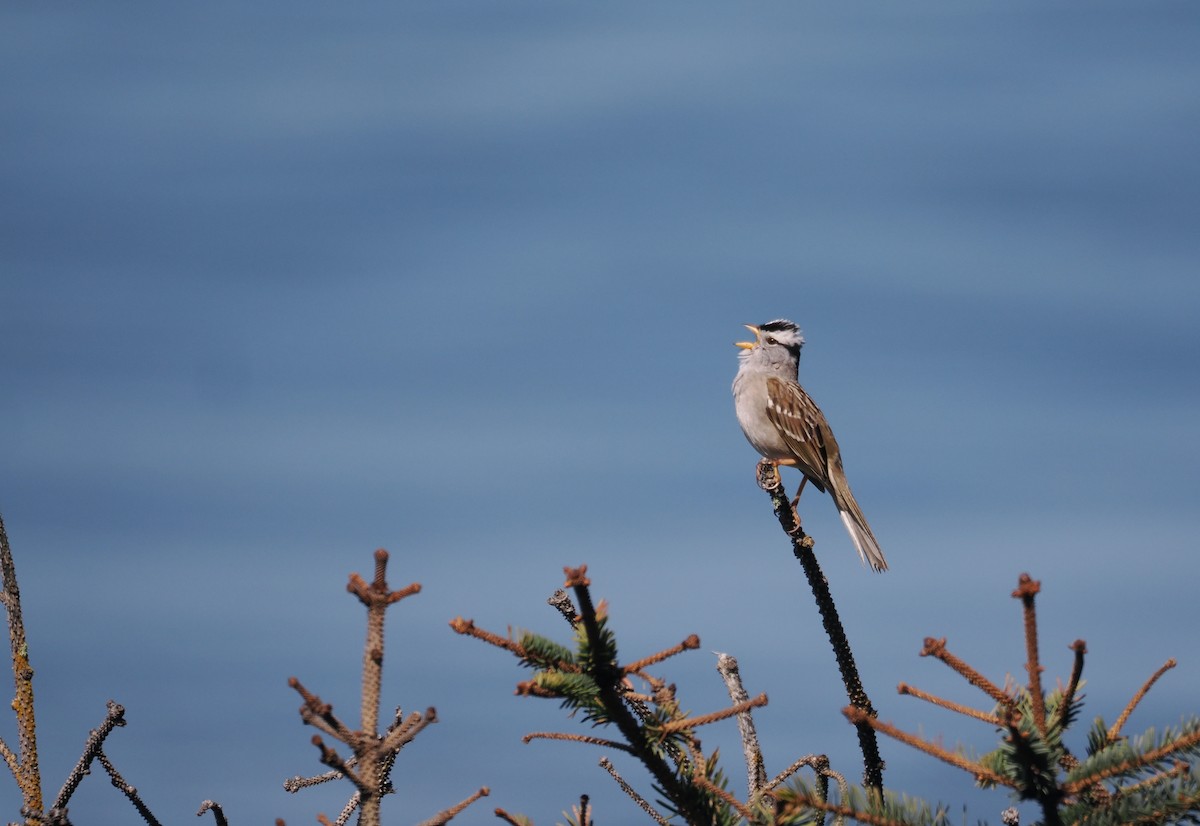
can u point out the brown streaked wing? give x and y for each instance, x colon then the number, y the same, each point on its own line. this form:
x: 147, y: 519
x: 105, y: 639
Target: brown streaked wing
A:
x: 803, y: 428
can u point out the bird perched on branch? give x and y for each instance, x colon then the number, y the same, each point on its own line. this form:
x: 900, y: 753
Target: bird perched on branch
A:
x: 787, y: 428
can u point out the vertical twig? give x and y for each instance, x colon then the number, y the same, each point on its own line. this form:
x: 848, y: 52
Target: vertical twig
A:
x: 28, y: 774
x: 1027, y: 589
x: 756, y: 771
x: 1080, y: 649
x: 802, y: 547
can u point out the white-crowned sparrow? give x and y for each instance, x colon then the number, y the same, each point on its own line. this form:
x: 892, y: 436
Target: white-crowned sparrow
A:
x: 787, y: 428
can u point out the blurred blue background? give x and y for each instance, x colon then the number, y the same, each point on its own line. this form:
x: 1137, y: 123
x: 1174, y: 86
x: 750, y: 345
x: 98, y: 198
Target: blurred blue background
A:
x: 284, y: 283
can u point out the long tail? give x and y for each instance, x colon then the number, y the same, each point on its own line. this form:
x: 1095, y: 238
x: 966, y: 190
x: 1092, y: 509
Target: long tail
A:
x: 857, y: 527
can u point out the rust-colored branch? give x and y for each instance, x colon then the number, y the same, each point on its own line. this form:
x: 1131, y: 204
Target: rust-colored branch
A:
x: 937, y: 648
x: 319, y: 714
x: 402, y: 735
x: 857, y: 715
x: 468, y: 628
x: 690, y: 644
x: 334, y: 760
x: 1027, y: 589
x: 576, y: 738
x: 1115, y: 731
x: 818, y: 762
x: 445, y: 816
x: 912, y: 691
x: 27, y: 773
x: 712, y: 717
x: 707, y: 785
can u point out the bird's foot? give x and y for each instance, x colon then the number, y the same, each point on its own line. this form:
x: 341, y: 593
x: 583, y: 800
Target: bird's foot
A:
x: 767, y: 474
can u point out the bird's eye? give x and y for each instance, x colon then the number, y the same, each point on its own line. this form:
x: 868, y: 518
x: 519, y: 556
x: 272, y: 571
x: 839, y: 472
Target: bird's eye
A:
x: 770, y: 340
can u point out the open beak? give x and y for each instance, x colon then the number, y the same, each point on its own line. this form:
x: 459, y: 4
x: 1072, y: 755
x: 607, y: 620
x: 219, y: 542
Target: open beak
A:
x: 749, y: 345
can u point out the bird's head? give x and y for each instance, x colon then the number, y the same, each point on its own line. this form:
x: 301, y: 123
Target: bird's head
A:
x: 776, y: 343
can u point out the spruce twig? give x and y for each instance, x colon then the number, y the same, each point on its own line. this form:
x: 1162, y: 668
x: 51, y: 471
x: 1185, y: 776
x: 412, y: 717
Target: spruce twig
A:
x: 23, y: 763
x: 756, y: 771
x: 802, y: 547
x: 1115, y: 731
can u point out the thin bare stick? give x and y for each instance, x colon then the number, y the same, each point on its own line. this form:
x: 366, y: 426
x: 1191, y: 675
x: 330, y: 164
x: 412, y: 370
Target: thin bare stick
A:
x: 712, y: 717
x: 403, y: 735
x: 815, y: 761
x: 295, y: 784
x: 905, y: 688
x: 27, y: 773
x: 856, y: 715
x: 10, y: 759
x: 607, y: 765
x: 690, y: 644
x: 576, y: 738
x: 334, y: 760
x: 1027, y: 589
x: 349, y: 809
x: 115, y: 717
x: 937, y: 649
x: 446, y: 815
x: 468, y: 628
x: 704, y: 783
x: 126, y: 789
x: 756, y: 770
x: 1115, y: 731
x: 767, y: 475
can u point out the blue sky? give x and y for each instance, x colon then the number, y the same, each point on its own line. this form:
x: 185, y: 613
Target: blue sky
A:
x: 282, y: 285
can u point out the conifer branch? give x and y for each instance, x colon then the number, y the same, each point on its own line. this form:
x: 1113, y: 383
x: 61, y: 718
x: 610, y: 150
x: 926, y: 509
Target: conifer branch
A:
x: 1185, y: 742
x: 446, y: 815
x: 468, y: 628
x: 688, y: 723
x: 950, y: 705
x: 712, y: 788
x: 1115, y: 731
x: 513, y: 820
x: 690, y: 644
x: 936, y: 648
x: 769, y: 480
x: 981, y: 772
x: 131, y: 793
x: 1080, y: 649
x: 25, y: 767
x: 607, y: 765
x: 1027, y: 589
x: 114, y: 717
x: 576, y: 738
x: 756, y: 770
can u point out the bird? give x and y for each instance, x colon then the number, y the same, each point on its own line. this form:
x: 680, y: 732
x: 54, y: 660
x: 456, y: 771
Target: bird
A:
x: 787, y: 428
